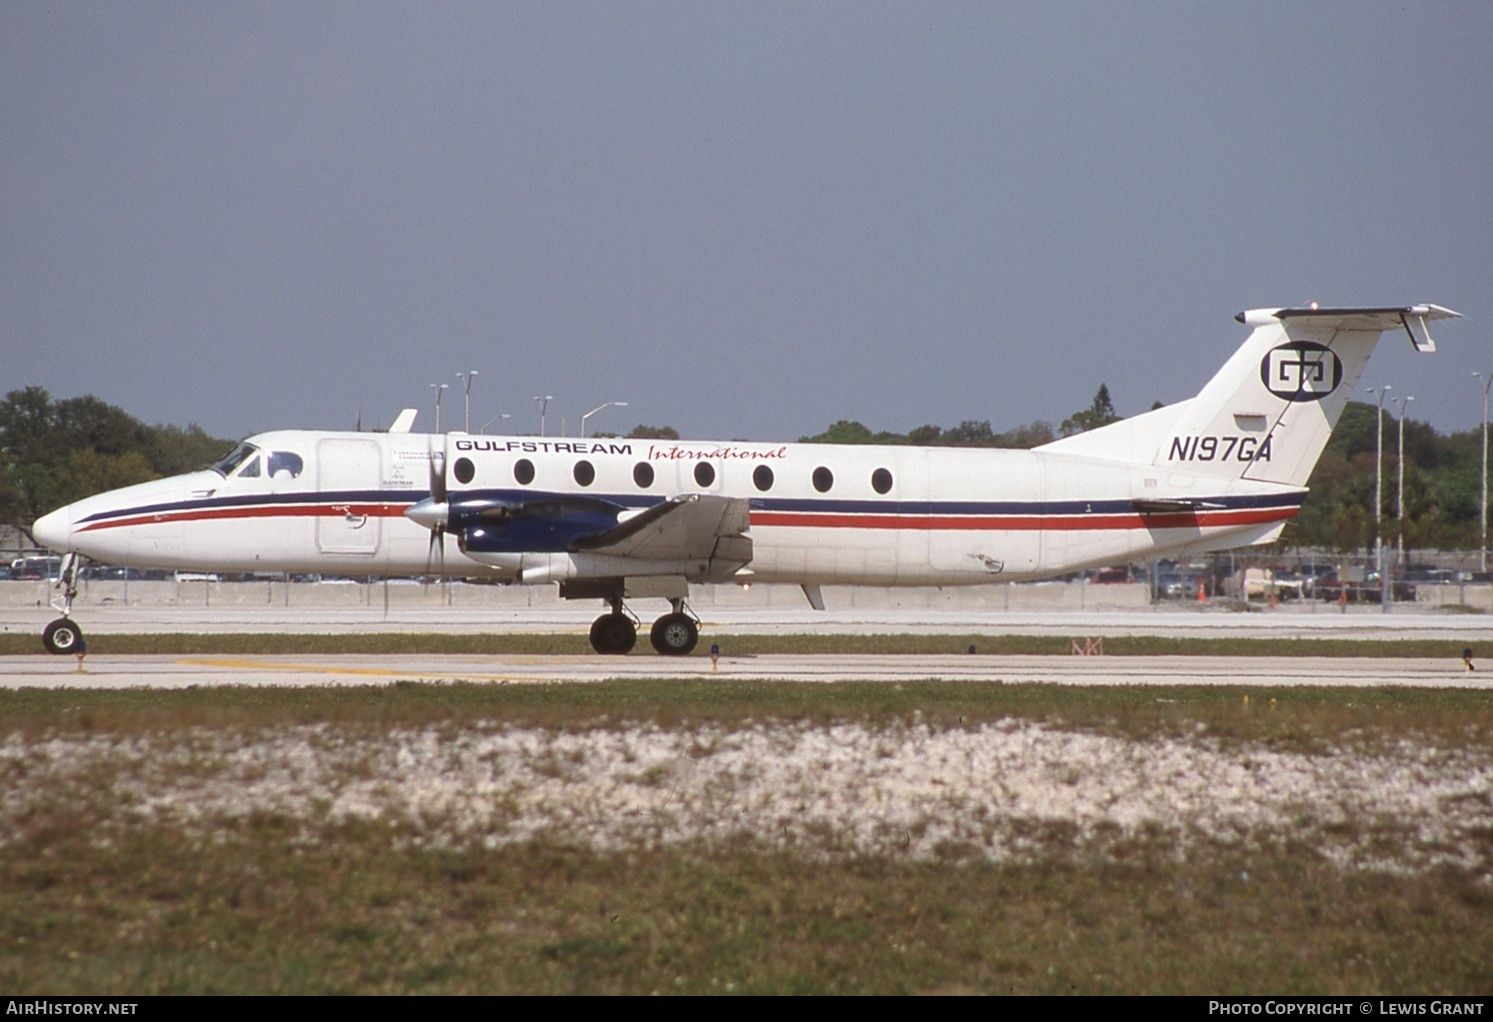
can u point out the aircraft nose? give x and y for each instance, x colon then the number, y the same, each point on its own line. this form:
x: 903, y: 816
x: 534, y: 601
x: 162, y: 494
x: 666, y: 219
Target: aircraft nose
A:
x: 54, y: 531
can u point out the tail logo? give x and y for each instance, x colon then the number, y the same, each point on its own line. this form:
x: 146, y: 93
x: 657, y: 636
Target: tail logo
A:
x: 1301, y: 371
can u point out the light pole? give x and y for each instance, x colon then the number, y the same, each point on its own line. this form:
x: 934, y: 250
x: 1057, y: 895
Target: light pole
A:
x: 438, y: 387
x: 468, y: 377
x: 609, y: 404
x: 1383, y: 392
x: 1482, y: 554
x: 494, y: 419
x: 1400, y: 495
x: 544, y: 403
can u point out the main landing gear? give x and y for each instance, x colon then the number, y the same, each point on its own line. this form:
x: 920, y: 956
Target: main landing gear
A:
x: 63, y: 635
x: 674, y: 634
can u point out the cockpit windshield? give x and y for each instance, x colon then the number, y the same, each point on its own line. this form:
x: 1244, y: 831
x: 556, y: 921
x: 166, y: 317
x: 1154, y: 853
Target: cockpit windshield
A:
x: 235, y: 458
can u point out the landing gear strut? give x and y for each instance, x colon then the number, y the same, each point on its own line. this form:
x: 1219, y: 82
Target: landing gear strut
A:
x: 63, y: 635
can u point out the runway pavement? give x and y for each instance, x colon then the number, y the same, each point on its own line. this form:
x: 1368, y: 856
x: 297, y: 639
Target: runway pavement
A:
x: 720, y: 622
x: 1313, y: 622
x: 1266, y: 672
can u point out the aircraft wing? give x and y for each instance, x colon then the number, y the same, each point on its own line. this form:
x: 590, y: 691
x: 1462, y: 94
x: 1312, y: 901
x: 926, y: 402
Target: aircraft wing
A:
x: 694, y: 526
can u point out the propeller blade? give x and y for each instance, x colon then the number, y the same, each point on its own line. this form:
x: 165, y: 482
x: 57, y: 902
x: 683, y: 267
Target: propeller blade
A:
x: 438, y: 476
x: 437, y: 543
x: 433, y: 512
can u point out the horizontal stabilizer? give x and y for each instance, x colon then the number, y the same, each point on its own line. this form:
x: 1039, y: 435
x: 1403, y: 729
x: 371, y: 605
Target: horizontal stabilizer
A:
x: 1414, y: 319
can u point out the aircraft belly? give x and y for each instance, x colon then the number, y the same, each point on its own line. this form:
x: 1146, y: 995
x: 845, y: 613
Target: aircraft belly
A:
x: 840, y: 556
x: 983, y: 555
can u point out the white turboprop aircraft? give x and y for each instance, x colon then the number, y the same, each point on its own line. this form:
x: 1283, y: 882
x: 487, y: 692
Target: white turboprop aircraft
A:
x: 619, y: 519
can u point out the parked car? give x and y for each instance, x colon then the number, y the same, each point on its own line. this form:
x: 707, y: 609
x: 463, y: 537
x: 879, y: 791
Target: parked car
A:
x: 35, y: 568
x: 1177, y: 585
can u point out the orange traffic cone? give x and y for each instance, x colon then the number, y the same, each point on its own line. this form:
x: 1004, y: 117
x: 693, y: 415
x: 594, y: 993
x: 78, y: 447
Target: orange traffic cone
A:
x: 1202, y: 592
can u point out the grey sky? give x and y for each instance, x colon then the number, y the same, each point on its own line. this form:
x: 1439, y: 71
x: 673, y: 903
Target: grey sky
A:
x: 746, y: 220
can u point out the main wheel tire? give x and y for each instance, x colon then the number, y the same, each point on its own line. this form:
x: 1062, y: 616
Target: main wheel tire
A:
x: 674, y: 635
x: 63, y: 636
x: 613, y: 634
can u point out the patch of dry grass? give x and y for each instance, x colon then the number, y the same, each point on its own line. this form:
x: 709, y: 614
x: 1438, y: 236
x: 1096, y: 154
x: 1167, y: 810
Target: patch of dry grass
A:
x: 1296, y: 718
x: 352, y: 913
x: 659, y: 836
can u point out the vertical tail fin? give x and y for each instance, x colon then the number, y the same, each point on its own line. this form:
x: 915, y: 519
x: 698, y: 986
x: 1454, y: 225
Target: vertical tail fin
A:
x: 1267, y: 414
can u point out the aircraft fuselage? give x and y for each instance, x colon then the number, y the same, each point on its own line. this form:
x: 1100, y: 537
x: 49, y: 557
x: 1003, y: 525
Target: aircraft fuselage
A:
x: 819, y: 513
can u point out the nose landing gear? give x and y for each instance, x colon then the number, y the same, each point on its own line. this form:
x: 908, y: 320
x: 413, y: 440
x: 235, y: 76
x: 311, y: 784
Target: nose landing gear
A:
x: 63, y: 636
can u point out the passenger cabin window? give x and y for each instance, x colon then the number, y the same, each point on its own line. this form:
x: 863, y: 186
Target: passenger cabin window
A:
x: 642, y: 474
x: 704, y: 473
x: 823, y: 479
x: 284, y: 465
x: 523, y: 471
x: 762, y: 478
x: 881, y: 480
x: 585, y: 473
x: 464, y: 470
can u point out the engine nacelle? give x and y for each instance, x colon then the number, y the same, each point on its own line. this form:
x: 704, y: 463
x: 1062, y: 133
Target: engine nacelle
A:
x: 545, y: 525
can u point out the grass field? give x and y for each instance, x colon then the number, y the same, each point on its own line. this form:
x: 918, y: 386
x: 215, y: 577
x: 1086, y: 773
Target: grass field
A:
x: 653, y: 836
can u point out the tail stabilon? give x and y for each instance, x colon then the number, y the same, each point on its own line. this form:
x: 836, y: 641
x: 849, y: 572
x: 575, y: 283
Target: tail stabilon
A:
x: 1268, y: 412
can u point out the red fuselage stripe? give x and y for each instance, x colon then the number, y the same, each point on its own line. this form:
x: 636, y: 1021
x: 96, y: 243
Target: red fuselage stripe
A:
x: 1023, y: 523
x: 283, y: 511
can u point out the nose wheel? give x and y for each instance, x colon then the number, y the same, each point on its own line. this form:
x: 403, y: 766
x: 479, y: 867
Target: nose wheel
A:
x: 63, y: 636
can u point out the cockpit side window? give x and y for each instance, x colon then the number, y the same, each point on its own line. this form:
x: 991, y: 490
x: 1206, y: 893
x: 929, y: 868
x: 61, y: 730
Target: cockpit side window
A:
x: 235, y: 458
x: 250, y: 469
x: 284, y: 465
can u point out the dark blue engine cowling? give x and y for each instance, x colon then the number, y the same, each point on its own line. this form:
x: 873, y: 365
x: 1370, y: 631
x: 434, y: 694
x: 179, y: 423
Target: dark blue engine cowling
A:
x: 539, y: 523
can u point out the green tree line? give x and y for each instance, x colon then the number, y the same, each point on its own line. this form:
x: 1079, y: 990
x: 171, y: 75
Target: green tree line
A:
x: 53, y: 452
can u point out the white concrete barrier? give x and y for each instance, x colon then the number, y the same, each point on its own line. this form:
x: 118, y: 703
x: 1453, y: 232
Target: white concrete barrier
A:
x: 1035, y: 597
